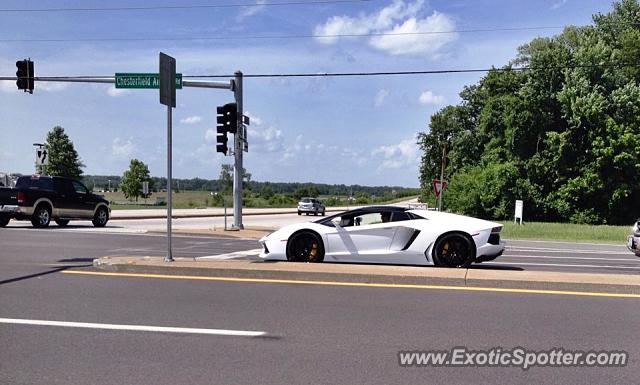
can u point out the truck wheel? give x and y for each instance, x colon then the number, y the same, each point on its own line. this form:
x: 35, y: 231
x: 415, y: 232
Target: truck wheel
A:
x: 101, y: 217
x: 4, y: 220
x: 41, y: 216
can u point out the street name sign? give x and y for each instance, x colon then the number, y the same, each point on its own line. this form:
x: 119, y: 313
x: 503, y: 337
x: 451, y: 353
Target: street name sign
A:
x: 142, y: 80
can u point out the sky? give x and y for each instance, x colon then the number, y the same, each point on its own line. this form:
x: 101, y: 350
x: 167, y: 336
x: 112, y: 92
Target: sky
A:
x: 343, y: 130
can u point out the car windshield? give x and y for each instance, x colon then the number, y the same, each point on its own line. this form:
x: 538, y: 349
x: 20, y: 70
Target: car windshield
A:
x: 306, y: 200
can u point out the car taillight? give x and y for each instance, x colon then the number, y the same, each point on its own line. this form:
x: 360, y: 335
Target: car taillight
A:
x: 21, y: 197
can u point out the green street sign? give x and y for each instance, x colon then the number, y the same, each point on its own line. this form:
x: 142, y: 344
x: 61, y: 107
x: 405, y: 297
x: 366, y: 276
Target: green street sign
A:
x: 142, y: 80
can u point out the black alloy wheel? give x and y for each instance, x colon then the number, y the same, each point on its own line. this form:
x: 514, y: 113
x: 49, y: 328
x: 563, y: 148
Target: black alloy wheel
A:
x: 305, y: 247
x: 453, y: 250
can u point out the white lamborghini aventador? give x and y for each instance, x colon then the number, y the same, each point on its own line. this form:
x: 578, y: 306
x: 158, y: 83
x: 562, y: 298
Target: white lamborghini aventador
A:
x: 388, y: 234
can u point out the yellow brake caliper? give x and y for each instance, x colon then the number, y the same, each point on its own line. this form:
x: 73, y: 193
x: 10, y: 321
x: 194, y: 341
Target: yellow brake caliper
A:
x: 445, y: 248
x: 314, y: 250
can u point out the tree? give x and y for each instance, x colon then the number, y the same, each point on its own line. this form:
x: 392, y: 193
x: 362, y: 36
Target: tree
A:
x: 226, y: 177
x: 63, y: 157
x: 563, y: 133
x: 132, y: 179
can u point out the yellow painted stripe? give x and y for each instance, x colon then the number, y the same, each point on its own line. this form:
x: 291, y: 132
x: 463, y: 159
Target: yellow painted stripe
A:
x: 356, y: 284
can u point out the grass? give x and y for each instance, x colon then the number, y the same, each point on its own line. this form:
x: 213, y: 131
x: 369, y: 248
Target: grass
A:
x: 197, y: 199
x: 181, y: 200
x: 566, y: 232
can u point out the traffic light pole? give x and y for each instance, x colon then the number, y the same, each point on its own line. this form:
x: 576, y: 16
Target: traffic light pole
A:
x: 238, y: 149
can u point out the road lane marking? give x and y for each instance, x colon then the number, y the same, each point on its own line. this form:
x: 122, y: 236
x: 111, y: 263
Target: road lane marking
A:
x: 564, y: 242
x: 576, y: 251
x: 233, y: 255
x: 562, y: 265
x: 143, y: 328
x: 632, y: 259
x: 355, y: 284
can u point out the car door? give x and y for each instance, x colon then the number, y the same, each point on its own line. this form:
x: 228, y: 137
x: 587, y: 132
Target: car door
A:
x: 64, y: 195
x: 84, y: 202
x: 363, y: 238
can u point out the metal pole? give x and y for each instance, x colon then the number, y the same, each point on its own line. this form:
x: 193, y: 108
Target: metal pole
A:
x: 169, y: 257
x: 238, y: 148
x: 224, y: 203
x: 444, y: 150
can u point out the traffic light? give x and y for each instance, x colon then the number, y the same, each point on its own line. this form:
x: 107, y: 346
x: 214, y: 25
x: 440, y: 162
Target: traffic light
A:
x: 25, y: 75
x: 228, y: 117
x: 222, y: 139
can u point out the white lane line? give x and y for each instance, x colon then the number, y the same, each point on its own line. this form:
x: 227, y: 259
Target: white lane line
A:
x: 576, y: 251
x: 562, y: 242
x: 563, y: 265
x: 161, y: 329
x: 235, y: 254
x: 631, y: 260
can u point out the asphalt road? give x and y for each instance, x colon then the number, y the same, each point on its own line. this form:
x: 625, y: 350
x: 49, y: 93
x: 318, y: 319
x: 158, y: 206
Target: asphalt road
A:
x: 75, y: 242
x: 315, y: 334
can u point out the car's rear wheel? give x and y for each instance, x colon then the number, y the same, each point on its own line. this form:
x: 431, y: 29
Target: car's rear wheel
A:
x: 305, y: 246
x: 4, y: 220
x: 454, y: 250
x: 41, y: 216
x: 62, y: 222
x: 101, y: 217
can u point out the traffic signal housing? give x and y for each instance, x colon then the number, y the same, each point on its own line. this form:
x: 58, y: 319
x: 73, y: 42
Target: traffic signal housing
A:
x: 228, y: 117
x: 222, y: 140
x: 25, y: 75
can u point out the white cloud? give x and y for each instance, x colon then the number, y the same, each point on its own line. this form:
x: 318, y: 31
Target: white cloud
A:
x: 210, y: 135
x: 428, y: 97
x: 403, y: 154
x: 414, y: 42
x: 122, y: 148
x: 117, y: 92
x: 380, y: 97
x: 10, y: 86
x: 400, y: 18
x: 558, y: 4
x: 249, y: 11
x: 191, y: 120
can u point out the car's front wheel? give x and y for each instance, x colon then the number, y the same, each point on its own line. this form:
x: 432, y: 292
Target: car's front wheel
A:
x: 454, y: 250
x: 305, y: 246
x: 101, y: 217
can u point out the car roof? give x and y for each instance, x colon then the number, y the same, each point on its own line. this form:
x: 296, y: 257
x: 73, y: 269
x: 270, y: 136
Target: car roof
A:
x: 365, y: 210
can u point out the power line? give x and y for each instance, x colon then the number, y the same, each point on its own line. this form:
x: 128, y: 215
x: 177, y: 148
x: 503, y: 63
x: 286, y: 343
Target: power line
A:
x: 266, y: 37
x: 426, y: 72
x: 380, y: 73
x: 174, y: 7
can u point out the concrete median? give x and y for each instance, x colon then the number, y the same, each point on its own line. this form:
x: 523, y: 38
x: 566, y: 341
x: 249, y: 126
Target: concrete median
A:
x: 474, y: 278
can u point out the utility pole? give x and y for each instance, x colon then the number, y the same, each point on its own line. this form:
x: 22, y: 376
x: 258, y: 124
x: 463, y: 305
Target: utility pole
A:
x: 238, y: 148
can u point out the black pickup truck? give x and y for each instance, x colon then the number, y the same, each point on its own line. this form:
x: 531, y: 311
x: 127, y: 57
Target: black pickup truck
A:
x: 43, y: 198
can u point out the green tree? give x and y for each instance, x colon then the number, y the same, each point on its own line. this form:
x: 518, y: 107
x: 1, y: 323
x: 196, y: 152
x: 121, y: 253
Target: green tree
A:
x: 132, y: 179
x: 562, y: 134
x: 63, y: 157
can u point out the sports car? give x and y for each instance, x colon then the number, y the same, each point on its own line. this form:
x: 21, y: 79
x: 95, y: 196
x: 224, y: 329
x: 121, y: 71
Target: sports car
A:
x: 388, y: 234
x: 633, y: 241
